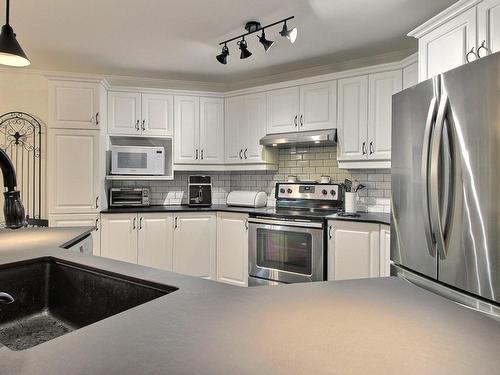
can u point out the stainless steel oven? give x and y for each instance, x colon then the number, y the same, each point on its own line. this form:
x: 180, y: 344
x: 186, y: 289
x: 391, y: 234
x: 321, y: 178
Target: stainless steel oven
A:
x: 285, y: 251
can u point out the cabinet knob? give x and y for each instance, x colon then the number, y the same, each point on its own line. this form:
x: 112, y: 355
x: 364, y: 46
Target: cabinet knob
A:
x: 175, y: 223
x: 371, y: 148
x: 97, y: 119
x: 240, y: 154
x: 196, y: 157
x: 301, y: 120
x: 246, y: 224
x: 143, y: 125
x: 330, y: 232
x: 97, y: 224
x: 295, y: 120
x: 201, y: 154
x: 363, y: 148
x: 133, y: 223
x: 245, y: 153
x: 140, y: 223
x: 97, y: 202
x: 137, y: 125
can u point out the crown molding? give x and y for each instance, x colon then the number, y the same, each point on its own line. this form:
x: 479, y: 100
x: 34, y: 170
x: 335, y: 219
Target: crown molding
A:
x: 443, y: 17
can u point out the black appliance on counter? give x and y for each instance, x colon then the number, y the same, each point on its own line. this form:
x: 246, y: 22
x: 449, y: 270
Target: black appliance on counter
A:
x: 200, y: 191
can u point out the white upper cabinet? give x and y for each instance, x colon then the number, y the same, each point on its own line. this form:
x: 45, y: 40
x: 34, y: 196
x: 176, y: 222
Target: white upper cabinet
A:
x: 124, y: 113
x: 119, y: 237
x: 73, y: 171
x: 195, y: 244
x: 235, y: 123
x: 318, y: 106
x: 381, y: 87
x: 155, y: 240
x: 75, y: 105
x: 157, y: 114
x: 199, y: 130
x: 211, y: 130
x: 352, y: 118
x: 187, y: 129
x: 410, y: 75
x: 466, y: 28
x: 283, y: 110
x: 488, y: 16
x: 133, y: 113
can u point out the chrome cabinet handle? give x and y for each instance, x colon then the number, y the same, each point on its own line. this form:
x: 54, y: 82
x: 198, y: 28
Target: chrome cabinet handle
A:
x: 140, y: 223
x: 196, y: 154
x: 137, y: 125
x: 371, y: 148
x: 143, y: 125
x: 246, y: 224
x: 96, y: 224
x: 363, y: 148
x: 175, y: 223
x: 97, y: 202
x: 133, y: 224
x: 330, y: 232
x: 240, y: 154
x: 97, y: 119
x: 245, y: 153
x: 201, y: 154
x: 301, y: 120
x: 295, y: 120
x: 471, y: 52
x: 484, y: 47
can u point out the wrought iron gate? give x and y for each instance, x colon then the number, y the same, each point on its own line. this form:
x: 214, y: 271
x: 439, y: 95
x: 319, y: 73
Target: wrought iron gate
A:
x: 21, y: 139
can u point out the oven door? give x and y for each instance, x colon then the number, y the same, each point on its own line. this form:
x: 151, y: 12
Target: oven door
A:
x: 285, y: 251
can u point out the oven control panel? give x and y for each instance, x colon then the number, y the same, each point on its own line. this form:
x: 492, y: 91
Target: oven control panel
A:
x: 307, y: 191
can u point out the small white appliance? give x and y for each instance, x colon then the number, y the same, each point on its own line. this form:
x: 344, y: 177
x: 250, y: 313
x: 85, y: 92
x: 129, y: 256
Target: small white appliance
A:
x: 247, y: 199
x: 138, y: 160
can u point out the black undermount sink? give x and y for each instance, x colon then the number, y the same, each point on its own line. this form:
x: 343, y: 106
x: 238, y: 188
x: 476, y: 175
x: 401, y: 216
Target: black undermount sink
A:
x: 54, y: 297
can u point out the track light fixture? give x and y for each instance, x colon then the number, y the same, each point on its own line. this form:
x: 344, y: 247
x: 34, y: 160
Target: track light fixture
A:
x: 291, y: 35
x: 11, y: 52
x: 253, y: 27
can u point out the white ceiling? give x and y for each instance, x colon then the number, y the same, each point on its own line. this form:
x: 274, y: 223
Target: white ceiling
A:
x: 179, y: 39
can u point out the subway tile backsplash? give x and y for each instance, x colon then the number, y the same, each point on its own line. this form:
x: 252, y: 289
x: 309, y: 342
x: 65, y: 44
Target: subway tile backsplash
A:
x: 308, y: 163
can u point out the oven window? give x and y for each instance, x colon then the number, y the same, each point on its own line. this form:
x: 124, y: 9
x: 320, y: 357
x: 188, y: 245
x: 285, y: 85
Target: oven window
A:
x: 284, y: 250
x: 133, y: 160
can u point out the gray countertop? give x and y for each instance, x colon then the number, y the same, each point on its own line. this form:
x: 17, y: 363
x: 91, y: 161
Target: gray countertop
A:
x: 371, y: 326
x: 381, y: 218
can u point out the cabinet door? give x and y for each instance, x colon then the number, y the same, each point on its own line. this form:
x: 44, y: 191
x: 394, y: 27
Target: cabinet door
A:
x: 74, y: 105
x: 488, y: 15
x: 157, y: 114
x: 254, y: 127
x: 73, y: 171
x: 234, y: 125
x: 124, y: 113
x: 353, y: 250
x: 232, y: 248
x: 155, y: 240
x: 80, y: 220
x: 119, y: 237
x: 318, y: 106
x: 211, y: 130
x: 352, y: 118
x: 385, y: 250
x: 283, y: 110
x: 410, y: 75
x: 187, y: 129
x: 381, y: 87
x: 445, y: 47
x: 195, y: 243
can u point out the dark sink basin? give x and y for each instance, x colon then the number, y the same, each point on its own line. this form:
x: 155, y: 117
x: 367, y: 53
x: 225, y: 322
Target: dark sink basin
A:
x: 53, y: 297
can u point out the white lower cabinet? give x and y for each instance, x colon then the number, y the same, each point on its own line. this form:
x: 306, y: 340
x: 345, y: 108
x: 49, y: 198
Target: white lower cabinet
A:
x: 353, y: 250
x: 119, y: 237
x: 155, y: 240
x: 232, y: 248
x: 80, y: 220
x: 385, y: 250
x: 195, y: 241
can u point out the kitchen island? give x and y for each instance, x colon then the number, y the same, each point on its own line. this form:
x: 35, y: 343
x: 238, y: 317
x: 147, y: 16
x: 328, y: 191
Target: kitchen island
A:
x: 375, y: 326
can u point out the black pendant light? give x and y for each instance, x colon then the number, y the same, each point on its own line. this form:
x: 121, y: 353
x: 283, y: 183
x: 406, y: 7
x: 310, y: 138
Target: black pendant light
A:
x: 11, y: 52
x: 222, y: 58
x: 266, y: 43
x: 291, y: 35
x: 245, y: 53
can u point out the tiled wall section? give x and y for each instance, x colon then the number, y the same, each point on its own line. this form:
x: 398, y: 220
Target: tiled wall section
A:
x: 306, y: 163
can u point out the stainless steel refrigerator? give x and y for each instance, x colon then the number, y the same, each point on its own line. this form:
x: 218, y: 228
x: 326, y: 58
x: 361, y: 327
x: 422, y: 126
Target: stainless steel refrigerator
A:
x: 445, y: 230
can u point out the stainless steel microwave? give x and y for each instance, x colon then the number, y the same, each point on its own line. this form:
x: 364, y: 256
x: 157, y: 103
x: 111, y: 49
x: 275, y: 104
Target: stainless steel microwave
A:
x: 138, y: 160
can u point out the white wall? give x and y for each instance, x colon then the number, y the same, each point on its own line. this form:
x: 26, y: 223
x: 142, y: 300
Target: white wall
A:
x: 25, y: 91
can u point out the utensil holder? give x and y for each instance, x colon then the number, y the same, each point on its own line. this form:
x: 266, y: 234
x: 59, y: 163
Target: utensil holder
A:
x: 350, y: 202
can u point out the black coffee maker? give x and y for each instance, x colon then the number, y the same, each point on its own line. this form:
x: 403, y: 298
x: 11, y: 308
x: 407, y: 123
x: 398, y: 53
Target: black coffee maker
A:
x: 200, y: 191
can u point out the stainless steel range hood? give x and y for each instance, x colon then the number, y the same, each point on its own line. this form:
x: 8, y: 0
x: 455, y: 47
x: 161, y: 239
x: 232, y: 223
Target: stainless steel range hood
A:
x: 308, y: 138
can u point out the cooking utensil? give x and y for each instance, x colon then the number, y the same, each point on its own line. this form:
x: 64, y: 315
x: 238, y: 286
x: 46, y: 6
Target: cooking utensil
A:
x: 359, y: 187
x: 348, y: 185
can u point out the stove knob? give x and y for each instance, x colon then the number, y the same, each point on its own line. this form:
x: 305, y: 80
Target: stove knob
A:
x: 289, y: 191
x: 282, y: 191
x: 332, y: 192
x: 324, y: 192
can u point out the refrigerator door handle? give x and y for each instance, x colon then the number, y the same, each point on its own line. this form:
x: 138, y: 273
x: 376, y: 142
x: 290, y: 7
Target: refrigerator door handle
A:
x: 437, y: 138
x: 431, y: 118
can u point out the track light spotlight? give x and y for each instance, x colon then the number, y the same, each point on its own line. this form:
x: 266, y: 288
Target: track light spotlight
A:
x: 222, y: 58
x: 290, y: 34
x: 266, y: 43
x: 244, y: 49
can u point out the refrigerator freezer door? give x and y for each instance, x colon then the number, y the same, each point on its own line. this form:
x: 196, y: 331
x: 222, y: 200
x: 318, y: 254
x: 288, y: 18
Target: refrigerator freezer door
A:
x: 471, y: 260
x: 414, y: 113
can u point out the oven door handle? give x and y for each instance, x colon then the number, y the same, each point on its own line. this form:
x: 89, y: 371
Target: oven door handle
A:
x: 307, y: 224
